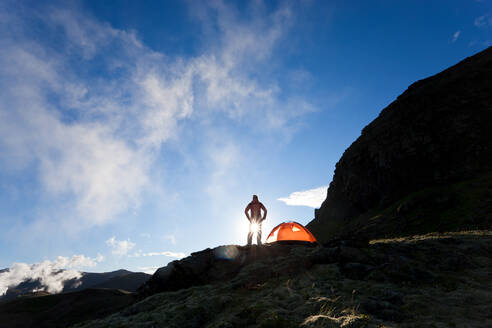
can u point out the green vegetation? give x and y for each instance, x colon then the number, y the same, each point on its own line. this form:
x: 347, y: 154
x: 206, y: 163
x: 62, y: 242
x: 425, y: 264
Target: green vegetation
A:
x: 62, y: 310
x: 465, y: 205
x: 438, y: 279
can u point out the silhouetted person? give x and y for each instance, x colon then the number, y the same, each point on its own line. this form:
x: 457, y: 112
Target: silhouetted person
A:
x: 255, y: 218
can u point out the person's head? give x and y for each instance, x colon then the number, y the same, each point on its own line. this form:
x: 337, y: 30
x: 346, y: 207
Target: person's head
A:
x: 255, y: 198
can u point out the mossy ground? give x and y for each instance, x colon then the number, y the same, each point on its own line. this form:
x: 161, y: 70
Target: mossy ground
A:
x: 63, y: 310
x: 464, y: 205
x: 435, y: 280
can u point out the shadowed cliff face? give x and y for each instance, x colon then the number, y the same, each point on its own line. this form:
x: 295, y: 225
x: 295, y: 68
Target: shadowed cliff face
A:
x: 437, y: 132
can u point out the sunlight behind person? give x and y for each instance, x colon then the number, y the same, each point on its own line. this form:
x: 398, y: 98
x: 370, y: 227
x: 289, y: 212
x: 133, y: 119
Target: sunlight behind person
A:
x: 254, y: 227
x: 254, y: 214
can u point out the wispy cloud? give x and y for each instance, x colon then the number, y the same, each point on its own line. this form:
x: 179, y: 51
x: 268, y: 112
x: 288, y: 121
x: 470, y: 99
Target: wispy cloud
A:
x: 456, y: 35
x: 120, y: 247
x: 83, y: 158
x: 148, y: 270
x: 312, y: 197
x: 171, y: 238
x: 223, y: 156
x: 483, y: 21
x: 177, y: 255
x: 51, y: 274
x: 95, y: 138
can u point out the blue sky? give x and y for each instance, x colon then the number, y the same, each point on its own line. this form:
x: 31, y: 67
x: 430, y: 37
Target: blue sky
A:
x: 133, y: 133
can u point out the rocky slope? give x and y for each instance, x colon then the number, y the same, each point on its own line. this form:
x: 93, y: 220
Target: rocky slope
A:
x: 426, y: 281
x: 436, y: 134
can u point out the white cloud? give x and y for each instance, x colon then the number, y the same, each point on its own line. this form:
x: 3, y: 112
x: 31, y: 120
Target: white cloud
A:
x: 482, y: 21
x: 224, y: 156
x: 120, y: 247
x: 177, y: 255
x: 312, y: 197
x: 171, y: 238
x: 51, y: 274
x: 94, y: 146
x: 148, y: 270
x: 456, y: 35
x: 88, y: 35
x: 85, y: 159
x: 99, y: 258
x: 77, y: 261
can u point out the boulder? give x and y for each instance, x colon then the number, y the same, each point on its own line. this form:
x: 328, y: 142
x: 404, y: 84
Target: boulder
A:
x: 250, y: 264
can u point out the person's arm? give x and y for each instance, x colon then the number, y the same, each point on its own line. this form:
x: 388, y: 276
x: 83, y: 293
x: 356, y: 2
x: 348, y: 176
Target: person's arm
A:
x: 246, y: 210
x: 264, y: 212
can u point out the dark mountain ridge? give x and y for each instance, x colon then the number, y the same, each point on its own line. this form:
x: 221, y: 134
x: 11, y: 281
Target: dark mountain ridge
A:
x: 119, y: 279
x: 438, y: 133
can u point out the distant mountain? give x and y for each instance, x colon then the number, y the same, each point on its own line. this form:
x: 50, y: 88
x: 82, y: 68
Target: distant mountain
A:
x: 62, y: 310
x: 24, y: 288
x: 424, y: 164
x: 120, y: 279
x: 129, y: 282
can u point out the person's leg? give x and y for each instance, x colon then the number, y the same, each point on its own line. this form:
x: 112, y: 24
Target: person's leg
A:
x: 250, y: 235
x: 258, y: 234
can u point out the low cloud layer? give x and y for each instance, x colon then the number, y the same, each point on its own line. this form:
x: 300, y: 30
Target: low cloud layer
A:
x: 51, y: 274
x: 312, y: 197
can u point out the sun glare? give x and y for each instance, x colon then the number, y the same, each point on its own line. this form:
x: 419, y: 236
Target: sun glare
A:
x: 254, y: 227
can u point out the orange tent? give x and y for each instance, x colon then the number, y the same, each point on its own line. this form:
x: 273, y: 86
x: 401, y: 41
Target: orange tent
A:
x: 290, y: 231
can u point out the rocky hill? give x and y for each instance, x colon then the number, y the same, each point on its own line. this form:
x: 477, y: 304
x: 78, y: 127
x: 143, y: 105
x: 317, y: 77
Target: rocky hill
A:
x: 426, y: 281
x: 424, y: 164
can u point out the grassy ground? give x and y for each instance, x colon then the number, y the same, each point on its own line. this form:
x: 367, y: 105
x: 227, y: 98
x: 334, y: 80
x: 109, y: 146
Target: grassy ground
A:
x: 433, y: 280
x: 62, y: 310
x: 465, y: 205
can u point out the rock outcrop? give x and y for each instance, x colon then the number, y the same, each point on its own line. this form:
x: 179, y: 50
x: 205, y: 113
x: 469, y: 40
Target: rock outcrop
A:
x: 221, y: 264
x: 438, y: 132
